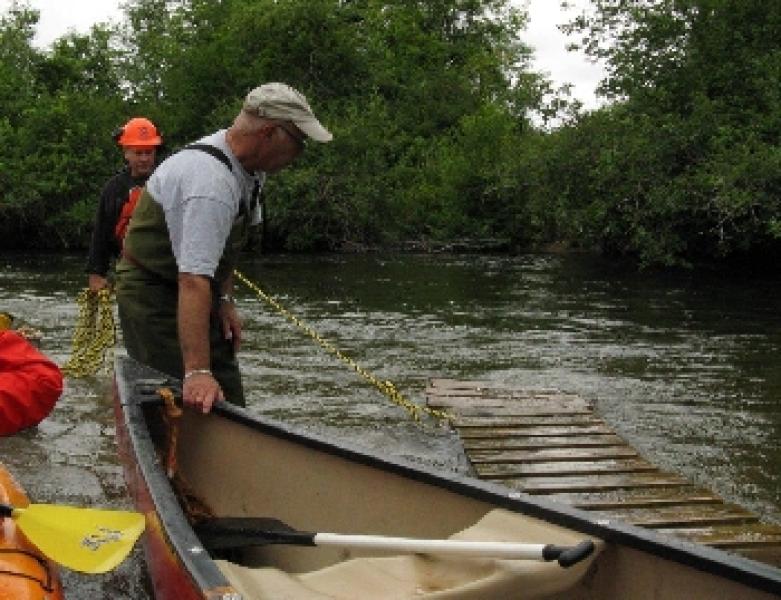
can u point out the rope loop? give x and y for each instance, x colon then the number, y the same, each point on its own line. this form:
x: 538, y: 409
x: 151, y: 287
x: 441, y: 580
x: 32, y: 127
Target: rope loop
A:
x: 94, y: 337
x: 415, y: 411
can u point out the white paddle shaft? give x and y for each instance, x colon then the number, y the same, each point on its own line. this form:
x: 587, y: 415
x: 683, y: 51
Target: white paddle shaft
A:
x: 458, y: 547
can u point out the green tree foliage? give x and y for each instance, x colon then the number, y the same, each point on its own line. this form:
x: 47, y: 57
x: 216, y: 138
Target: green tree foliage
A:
x: 687, y: 164
x: 54, y: 152
x: 17, y: 91
x: 431, y: 104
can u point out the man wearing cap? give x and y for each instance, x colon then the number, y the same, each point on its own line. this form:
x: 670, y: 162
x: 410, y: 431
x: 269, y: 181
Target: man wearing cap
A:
x: 139, y: 140
x: 174, y: 282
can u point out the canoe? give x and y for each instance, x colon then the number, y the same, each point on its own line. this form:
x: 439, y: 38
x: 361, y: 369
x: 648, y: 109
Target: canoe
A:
x: 231, y: 468
x: 25, y: 573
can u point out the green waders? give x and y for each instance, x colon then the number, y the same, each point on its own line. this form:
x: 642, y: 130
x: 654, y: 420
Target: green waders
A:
x: 147, y: 313
x: 147, y: 297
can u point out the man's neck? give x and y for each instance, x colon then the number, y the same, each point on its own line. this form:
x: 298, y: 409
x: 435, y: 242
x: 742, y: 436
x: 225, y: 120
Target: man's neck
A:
x: 243, y: 148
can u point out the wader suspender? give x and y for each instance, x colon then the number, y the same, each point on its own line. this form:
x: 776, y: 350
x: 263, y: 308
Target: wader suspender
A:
x: 214, y: 151
x: 220, y: 155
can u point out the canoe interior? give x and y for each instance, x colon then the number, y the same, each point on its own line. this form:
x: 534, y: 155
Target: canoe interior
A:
x: 237, y: 471
x: 240, y: 466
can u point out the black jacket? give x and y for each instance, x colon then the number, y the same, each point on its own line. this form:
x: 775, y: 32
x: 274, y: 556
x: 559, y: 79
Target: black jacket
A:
x: 104, y: 245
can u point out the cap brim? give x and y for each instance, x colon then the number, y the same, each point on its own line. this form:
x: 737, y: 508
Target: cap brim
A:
x: 314, y: 130
x: 154, y: 142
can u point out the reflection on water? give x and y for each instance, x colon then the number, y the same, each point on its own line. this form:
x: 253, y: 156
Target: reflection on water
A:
x: 686, y: 367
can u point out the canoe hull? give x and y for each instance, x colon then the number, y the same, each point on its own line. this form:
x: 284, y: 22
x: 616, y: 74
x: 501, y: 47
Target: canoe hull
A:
x: 171, y: 577
x: 239, y: 465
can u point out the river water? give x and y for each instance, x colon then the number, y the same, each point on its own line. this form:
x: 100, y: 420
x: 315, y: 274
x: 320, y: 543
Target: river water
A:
x: 687, y: 367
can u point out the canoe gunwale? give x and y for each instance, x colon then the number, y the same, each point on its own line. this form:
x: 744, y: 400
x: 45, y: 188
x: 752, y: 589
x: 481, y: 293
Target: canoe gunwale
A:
x: 207, y: 576
x: 176, y: 530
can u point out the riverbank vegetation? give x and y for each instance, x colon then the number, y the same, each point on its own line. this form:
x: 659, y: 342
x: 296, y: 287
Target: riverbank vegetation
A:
x: 443, y: 132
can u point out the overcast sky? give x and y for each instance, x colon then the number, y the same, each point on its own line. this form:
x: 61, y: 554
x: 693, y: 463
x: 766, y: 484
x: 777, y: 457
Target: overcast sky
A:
x: 60, y: 16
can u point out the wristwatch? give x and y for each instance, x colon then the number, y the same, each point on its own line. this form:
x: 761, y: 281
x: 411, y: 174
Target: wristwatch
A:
x: 227, y: 298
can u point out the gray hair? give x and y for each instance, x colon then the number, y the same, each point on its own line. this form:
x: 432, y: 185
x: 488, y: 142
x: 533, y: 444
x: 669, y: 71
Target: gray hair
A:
x: 247, y: 123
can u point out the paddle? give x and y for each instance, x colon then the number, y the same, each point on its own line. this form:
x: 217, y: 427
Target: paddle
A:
x: 230, y: 532
x: 83, y: 539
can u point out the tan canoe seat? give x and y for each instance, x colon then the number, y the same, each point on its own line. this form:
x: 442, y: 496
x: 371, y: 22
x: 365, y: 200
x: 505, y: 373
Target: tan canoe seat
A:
x: 426, y: 576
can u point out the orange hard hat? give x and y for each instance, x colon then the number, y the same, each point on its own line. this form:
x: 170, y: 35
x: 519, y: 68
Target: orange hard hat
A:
x: 138, y: 132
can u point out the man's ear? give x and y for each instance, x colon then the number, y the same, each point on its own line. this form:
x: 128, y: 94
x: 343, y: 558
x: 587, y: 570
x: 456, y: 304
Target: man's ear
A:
x: 267, y: 129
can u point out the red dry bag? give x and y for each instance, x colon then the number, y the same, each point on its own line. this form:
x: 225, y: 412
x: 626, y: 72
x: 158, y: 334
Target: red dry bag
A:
x: 30, y: 383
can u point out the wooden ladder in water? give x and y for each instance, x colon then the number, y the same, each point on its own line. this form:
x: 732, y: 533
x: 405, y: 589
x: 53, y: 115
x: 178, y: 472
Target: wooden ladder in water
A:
x: 552, y: 444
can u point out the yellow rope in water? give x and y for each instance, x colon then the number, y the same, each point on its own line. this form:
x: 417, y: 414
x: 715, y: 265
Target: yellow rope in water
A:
x: 386, y: 387
x: 94, y: 337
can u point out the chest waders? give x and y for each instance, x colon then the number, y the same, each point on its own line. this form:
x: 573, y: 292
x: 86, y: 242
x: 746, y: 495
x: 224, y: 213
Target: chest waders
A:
x: 147, y: 296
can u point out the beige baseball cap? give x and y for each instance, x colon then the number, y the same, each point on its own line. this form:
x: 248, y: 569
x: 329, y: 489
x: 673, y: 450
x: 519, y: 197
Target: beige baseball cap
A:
x: 280, y: 101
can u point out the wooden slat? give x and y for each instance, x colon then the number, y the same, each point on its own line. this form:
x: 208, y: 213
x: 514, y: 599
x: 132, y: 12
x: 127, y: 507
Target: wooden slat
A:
x: 535, y: 406
x: 766, y: 554
x: 585, y: 483
x: 473, y: 388
x: 525, y: 421
x: 512, y: 410
x: 730, y: 536
x: 504, y: 393
x: 522, y: 443
x: 472, y: 433
x: 637, y: 498
x: 682, y: 516
x: 547, y: 454
x: 473, y: 397
x: 503, y: 471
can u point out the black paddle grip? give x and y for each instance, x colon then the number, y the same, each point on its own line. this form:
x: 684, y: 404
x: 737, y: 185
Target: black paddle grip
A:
x: 568, y: 555
x: 240, y: 532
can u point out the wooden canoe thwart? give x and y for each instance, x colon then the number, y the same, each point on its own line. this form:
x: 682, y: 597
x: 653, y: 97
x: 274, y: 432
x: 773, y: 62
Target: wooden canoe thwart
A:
x: 553, y: 445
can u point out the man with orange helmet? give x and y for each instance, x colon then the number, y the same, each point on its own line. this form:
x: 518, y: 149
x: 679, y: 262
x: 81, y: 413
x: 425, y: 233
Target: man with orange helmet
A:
x: 139, y: 140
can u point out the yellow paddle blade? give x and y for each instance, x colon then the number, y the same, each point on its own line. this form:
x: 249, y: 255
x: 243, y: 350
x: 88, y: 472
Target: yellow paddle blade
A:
x: 83, y: 539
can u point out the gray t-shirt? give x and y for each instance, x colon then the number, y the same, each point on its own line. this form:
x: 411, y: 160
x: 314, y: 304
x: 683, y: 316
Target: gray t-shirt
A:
x: 201, y: 199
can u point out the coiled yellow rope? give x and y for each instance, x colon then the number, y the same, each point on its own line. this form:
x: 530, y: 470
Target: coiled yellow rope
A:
x: 386, y: 387
x: 92, y: 345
